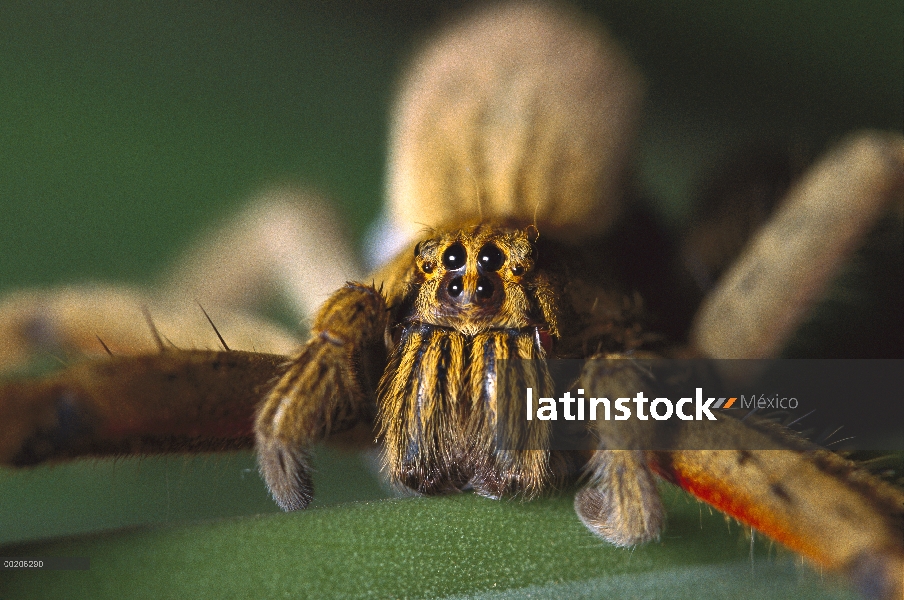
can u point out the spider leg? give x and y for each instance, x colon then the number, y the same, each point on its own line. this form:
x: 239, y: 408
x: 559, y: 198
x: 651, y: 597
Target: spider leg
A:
x: 328, y: 387
x: 807, y: 498
x: 152, y: 396
x: 174, y: 400
x: 94, y: 320
x: 286, y: 242
x: 620, y: 502
x: 789, y: 262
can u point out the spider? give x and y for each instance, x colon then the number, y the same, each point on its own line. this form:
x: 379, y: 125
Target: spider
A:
x: 527, y: 167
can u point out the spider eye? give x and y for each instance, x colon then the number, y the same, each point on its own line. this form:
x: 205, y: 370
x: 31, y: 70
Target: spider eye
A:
x: 454, y: 257
x: 456, y: 287
x: 490, y: 257
x: 517, y: 270
x: 484, y: 288
x: 427, y: 267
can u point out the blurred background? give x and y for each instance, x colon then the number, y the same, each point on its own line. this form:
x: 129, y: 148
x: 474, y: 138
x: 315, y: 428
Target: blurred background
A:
x: 127, y: 128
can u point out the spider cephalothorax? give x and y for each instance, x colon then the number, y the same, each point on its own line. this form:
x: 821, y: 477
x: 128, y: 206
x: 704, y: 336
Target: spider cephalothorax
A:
x: 475, y: 298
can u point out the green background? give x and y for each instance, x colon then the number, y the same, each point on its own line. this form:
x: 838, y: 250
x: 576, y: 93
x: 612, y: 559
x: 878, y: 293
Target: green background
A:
x: 126, y: 127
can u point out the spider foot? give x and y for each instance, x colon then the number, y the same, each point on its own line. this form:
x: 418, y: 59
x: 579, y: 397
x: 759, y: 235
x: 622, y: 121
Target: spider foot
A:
x: 622, y: 505
x: 287, y: 472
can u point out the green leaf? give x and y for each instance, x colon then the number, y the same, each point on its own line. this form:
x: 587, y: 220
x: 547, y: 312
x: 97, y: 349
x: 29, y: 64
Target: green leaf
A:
x: 455, y: 546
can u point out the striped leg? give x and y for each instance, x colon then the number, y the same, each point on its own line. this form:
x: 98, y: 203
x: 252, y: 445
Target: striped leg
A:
x: 328, y: 387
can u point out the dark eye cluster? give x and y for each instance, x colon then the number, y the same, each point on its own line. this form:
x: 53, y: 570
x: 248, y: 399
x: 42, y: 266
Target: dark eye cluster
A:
x: 490, y: 258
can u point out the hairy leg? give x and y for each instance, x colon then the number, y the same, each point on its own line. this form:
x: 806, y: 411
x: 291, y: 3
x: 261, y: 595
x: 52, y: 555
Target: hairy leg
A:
x: 807, y: 498
x: 90, y: 321
x: 170, y: 401
x: 329, y: 386
x: 789, y: 262
x: 811, y: 500
x: 285, y: 243
x: 620, y: 502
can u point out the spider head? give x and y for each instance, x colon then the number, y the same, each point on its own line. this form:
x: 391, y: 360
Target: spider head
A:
x: 476, y: 278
